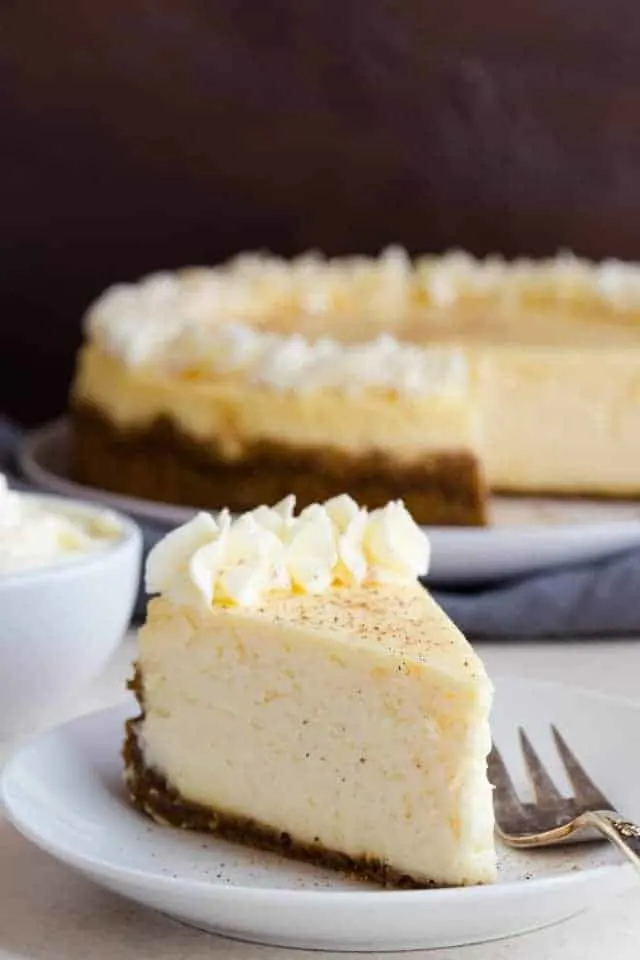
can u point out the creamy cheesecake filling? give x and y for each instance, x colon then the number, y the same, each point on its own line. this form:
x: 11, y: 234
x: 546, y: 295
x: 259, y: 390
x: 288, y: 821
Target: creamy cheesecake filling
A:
x: 372, y: 744
x: 560, y: 421
x: 542, y: 419
x: 225, y: 415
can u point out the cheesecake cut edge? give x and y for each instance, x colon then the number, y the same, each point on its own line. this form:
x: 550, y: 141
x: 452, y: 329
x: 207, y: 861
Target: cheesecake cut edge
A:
x: 153, y: 795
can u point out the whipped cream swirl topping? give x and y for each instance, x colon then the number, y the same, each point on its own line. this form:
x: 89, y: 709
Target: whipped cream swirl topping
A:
x: 159, y: 323
x: 206, y: 321
x: 34, y: 535
x: 270, y: 551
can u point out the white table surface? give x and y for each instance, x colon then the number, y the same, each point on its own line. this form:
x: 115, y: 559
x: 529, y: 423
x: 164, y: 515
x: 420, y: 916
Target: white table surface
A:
x: 47, y: 912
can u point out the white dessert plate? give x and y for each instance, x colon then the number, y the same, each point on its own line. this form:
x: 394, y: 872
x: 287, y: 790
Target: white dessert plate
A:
x: 526, y: 536
x: 64, y: 792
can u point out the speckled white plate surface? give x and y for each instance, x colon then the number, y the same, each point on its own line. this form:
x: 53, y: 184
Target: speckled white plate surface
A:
x: 527, y: 535
x: 64, y: 792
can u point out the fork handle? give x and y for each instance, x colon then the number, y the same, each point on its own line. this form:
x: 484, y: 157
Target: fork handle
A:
x: 622, y: 833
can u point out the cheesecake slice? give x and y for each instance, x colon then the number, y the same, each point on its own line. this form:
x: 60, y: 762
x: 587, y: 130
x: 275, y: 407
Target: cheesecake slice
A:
x: 301, y: 692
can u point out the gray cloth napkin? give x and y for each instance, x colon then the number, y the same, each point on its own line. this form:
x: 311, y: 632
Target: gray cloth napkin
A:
x: 593, y: 598
x: 587, y: 599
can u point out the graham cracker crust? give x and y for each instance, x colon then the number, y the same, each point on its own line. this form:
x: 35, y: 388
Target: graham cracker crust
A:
x: 160, y: 463
x: 150, y: 793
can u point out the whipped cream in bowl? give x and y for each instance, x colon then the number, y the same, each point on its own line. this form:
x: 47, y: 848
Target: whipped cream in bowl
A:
x: 36, y: 532
x: 69, y: 575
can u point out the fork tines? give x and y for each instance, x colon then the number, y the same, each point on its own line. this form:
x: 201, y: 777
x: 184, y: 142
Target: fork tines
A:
x: 586, y: 792
x: 587, y: 796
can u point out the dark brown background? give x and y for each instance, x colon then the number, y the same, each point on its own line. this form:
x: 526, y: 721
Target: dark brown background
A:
x: 138, y: 135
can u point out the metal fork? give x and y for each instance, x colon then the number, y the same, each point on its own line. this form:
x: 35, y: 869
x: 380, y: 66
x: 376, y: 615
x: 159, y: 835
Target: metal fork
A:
x: 554, y: 818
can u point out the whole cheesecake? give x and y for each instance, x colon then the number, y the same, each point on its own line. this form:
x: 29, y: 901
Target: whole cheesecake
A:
x: 301, y: 692
x: 432, y: 380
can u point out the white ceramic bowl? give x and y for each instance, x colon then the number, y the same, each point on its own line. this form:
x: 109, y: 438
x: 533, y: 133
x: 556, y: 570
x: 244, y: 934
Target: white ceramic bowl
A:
x: 60, y: 624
